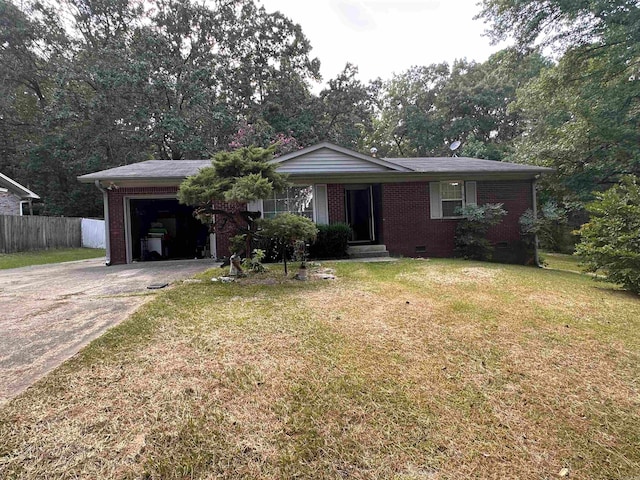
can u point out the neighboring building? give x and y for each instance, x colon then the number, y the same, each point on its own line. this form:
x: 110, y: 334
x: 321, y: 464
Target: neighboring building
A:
x: 14, y: 198
x: 405, y: 204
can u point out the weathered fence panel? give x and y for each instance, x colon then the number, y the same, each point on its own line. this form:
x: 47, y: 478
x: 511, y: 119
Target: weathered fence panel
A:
x: 93, y: 233
x: 21, y: 234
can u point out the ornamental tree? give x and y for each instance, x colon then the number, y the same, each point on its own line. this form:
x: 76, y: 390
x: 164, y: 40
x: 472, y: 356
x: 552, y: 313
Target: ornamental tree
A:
x: 286, y: 229
x: 233, y: 179
x: 611, y: 239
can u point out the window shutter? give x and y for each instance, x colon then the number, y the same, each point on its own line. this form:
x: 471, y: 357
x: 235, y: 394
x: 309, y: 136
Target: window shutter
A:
x: 471, y: 194
x: 434, y: 200
x: 320, y: 205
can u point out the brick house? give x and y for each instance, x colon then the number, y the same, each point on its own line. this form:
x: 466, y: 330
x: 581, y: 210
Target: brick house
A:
x: 15, y: 199
x: 404, y: 206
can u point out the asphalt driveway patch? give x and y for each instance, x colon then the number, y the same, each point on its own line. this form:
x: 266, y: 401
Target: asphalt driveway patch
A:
x: 50, y: 312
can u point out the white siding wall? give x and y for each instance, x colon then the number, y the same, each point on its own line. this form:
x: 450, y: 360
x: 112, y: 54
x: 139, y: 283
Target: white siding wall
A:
x: 325, y: 160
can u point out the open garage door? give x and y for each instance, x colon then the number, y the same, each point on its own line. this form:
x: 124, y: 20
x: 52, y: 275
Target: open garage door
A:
x: 163, y: 229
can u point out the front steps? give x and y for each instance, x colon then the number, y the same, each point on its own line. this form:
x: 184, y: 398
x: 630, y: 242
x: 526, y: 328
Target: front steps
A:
x: 367, y: 251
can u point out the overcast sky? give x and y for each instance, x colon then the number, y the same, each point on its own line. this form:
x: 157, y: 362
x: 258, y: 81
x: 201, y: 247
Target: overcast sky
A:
x: 383, y: 37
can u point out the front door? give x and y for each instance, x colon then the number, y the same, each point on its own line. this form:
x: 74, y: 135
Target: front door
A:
x: 359, y: 200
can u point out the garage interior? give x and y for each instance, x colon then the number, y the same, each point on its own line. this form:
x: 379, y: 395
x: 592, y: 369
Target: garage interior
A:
x: 163, y: 229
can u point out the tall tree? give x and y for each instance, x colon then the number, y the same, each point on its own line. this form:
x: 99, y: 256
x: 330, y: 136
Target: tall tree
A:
x: 582, y: 115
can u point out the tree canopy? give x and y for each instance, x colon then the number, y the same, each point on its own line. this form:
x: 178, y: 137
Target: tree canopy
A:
x: 87, y: 85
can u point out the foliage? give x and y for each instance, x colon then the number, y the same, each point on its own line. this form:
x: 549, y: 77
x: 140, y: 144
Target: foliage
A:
x: 287, y: 228
x: 581, y: 115
x: 254, y: 262
x: 120, y: 82
x: 425, y: 109
x: 548, y: 226
x: 332, y: 241
x: 610, y: 241
x: 235, y: 177
x: 471, y: 231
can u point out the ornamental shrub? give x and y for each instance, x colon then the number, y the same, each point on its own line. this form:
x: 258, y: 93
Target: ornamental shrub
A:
x: 332, y: 241
x: 471, y: 232
x: 610, y: 241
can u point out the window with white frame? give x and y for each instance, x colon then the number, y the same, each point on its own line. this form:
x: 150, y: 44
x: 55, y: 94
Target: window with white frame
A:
x: 452, y: 198
x: 297, y: 200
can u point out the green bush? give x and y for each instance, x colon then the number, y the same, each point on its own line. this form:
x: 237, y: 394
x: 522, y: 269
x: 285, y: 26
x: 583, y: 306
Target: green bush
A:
x: 471, y: 232
x: 332, y: 241
x: 610, y: 241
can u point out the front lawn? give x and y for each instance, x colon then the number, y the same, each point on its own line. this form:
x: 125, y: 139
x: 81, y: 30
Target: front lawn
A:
x: 41, y: 257
x: 415, y: 369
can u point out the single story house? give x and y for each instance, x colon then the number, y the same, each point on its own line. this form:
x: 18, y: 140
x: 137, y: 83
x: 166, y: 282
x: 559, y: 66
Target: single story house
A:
x: 15, y: 199
x: 404, y: 206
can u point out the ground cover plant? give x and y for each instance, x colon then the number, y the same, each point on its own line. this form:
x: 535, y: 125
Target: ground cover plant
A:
x: 414, y: 369
x: 41, y: 257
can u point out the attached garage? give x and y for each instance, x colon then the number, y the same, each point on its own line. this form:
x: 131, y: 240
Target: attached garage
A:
x: 162, y: 228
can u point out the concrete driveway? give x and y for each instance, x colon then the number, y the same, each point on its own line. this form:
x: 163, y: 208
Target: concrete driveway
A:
x: 49, y: 312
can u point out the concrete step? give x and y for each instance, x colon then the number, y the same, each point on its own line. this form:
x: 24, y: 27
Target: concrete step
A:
x: 367, y: 251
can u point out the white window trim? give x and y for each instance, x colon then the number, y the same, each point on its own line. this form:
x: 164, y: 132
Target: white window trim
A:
x: 447, y: 182
x: 469, y: 197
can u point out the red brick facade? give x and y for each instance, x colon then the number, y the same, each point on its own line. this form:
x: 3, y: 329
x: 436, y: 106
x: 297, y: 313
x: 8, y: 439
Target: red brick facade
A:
x: 409, y: 230
x: 403, y: 212
x: 336, y: 205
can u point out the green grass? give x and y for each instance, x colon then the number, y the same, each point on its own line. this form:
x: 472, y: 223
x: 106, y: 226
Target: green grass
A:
x: 561, y: 261
x: 41, y: 257
x: 405, y: 370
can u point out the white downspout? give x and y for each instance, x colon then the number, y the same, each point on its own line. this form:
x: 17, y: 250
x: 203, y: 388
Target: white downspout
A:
x: 536, y: 256
x: 105, y: 203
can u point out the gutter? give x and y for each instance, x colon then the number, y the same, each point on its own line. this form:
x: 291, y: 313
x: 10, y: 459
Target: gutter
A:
x: 536, y: 256
x: 105, y: 203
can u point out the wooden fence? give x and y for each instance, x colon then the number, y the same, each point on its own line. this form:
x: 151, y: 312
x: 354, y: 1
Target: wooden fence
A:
x: 21, y: 234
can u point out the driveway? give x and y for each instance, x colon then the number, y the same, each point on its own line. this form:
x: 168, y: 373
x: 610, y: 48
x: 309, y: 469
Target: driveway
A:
x: 50, y: 312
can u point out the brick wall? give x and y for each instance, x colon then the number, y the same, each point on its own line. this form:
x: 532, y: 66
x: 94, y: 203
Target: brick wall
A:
x: 9, y: 204
x: 516, y: 196
x: 407, y: 223
x: 117, y: 219
x: 335, y: 201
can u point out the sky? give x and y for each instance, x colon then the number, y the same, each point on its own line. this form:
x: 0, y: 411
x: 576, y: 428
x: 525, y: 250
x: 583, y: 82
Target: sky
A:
x: 383, y: 37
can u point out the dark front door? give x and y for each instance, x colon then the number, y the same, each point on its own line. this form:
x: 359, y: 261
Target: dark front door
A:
x: 359, y: 201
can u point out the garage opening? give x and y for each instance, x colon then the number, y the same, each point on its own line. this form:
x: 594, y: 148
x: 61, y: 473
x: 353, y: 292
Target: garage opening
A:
x: 163, y: 229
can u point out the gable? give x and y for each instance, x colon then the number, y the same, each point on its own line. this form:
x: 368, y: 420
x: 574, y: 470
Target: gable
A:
x: 327, y: 158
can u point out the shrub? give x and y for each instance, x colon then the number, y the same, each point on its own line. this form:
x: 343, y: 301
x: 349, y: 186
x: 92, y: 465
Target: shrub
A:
x: 332, y: 241
x: 471, y: 232
x: 550, y: 226
x: 610, y: 241
x: 285, y: 229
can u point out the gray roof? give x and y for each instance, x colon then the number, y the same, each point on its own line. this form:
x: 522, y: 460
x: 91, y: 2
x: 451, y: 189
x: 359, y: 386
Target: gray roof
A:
x: 179, y: 169
x: 464, y: 165
x: 15, y: 187
x: 149, y: 170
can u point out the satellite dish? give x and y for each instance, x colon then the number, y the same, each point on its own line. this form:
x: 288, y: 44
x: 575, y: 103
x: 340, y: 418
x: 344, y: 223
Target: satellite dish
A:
x: 373, y: 151
x: 455, y: 145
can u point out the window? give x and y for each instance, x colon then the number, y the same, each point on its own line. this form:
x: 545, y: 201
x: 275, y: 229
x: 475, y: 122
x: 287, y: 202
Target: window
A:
x: 452, y: 197
x: 297, y: 200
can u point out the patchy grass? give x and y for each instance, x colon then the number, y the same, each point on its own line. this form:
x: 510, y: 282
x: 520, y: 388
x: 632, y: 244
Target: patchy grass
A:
x: 41, y: 257
x: 408, y: 370
x: 562, y: 261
